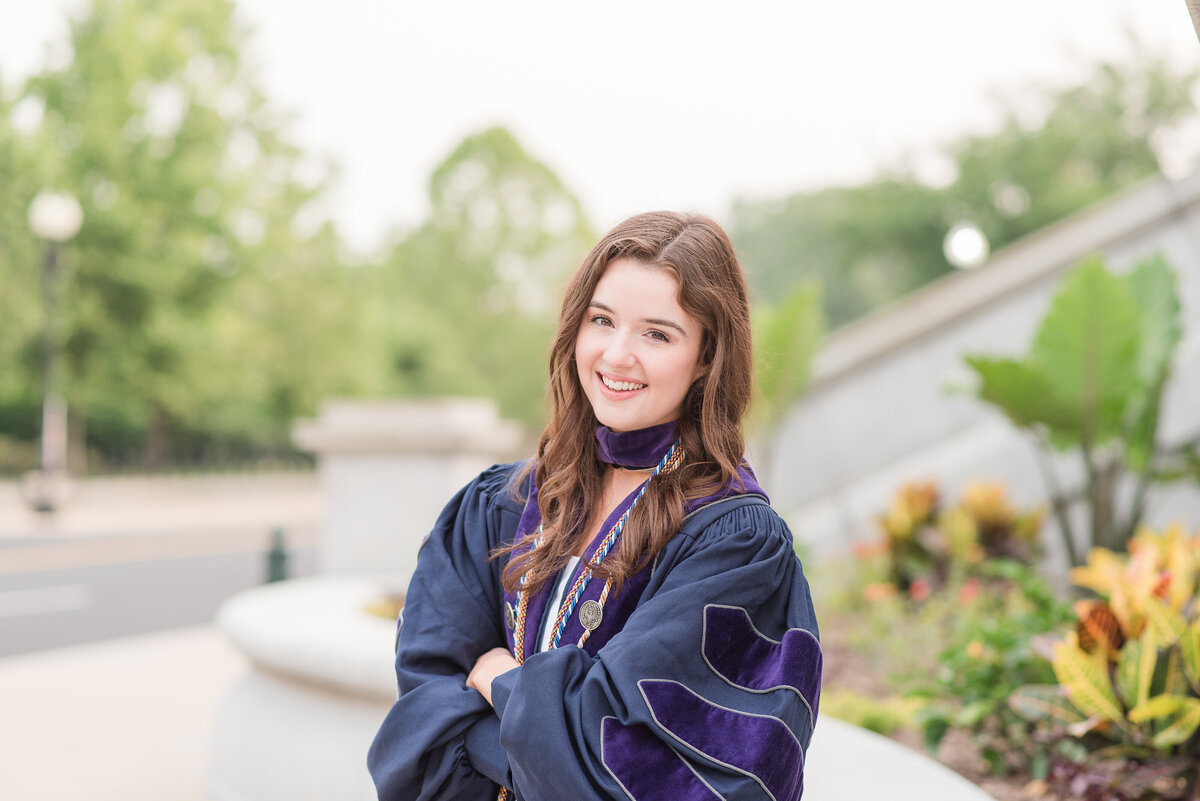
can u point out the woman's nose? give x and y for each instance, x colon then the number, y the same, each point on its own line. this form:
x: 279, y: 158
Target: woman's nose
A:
x: 619, y: 351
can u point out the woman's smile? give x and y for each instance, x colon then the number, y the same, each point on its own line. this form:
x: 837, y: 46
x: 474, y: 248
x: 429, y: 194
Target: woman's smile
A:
x: 620, y: 387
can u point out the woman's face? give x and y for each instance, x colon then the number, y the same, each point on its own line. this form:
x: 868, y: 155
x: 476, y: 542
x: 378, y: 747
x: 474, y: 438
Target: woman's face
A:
x: 637, y: 351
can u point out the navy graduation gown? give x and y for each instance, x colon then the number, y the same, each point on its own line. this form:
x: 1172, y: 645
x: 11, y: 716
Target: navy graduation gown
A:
x: 701, y: 682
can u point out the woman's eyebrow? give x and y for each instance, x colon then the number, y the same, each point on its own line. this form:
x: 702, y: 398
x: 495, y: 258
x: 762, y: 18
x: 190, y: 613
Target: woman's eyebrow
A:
x: 651, y: 320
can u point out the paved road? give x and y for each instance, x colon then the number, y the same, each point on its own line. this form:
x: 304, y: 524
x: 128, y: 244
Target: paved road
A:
x: 87, y: 589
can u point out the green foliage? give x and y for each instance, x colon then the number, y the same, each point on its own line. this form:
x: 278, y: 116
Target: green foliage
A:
x: 205, y: 306
x: 786, y: 338
x: 989, y: 655
x: 862, y: 245
x: 503, y: 236
x: 1128, y: 675
x: 193, y: 309
x: 881, y: 715
x: 881, y: 629
x: 1056, y: 151
x: 1092, y: 383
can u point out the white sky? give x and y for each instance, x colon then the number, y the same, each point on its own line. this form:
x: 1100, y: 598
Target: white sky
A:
x: 640, y: 105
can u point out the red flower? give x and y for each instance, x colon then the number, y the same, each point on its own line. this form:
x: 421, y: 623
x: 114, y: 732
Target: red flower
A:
x: 919, y: 590
x: 969, y: 590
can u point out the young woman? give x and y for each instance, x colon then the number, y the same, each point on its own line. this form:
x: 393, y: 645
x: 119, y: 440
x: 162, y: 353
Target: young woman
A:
x: 624, y: 615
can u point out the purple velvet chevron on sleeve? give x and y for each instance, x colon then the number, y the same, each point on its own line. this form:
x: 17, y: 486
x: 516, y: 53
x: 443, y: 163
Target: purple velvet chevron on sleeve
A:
x: 759, y: 746
x: 647, y: 768
x: 749, y: 660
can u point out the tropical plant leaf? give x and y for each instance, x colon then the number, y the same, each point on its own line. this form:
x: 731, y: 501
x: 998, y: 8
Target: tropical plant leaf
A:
x: 1161, y: 706
x: 1189, y: 653
x: 1122, y: 751
x: 1101, y: 573
x: 1143, y: 571
x: 1044, y: 703
x: 1182, y: 728
x: 1180, y: 567
x: 1152, y: 285
x: 1175, y: 681
x: 1023, y: 393
x: 1163, y: 623
x: 1083, y: 727
x: 1088, y: 345
x: 1135, y: 671
x: 1085, y: 679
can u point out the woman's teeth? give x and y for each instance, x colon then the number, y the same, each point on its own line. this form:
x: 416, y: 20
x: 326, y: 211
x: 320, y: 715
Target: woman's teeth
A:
x: 622, y: 386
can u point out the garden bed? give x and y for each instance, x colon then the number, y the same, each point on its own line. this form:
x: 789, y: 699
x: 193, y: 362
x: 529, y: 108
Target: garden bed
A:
x: 850, y: 670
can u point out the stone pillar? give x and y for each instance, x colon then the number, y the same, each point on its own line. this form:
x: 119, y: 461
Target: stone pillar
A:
x: 387, y: 468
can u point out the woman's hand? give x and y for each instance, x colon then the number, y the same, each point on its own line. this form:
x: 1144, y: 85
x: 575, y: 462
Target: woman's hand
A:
x: 488, y: 667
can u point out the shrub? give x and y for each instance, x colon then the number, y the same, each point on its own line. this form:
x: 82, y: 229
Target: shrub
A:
x: 1127, y: 698
x: 922, y: 545
x: 990, y: 655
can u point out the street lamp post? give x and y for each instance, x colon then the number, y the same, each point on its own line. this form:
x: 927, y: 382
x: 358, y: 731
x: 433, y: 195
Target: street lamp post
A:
x: 54, y: 217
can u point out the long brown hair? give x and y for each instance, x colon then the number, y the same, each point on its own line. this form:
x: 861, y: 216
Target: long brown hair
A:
x: 569, y: 476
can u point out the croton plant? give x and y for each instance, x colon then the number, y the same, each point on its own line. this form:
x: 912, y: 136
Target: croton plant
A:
x: 923, y: 542
x: 1127, y: 702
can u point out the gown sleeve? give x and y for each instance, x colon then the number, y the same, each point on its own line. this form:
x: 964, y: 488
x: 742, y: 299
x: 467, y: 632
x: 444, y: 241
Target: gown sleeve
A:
x: 440, y: 740
x: 709, y: 691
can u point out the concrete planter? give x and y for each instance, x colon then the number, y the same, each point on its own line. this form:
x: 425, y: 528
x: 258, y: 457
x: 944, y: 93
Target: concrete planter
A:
x: 298, y: 725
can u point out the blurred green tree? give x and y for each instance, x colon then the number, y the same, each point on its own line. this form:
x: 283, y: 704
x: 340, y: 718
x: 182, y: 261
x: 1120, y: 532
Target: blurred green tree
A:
x: 869, y: 244
x: 20, y: 299
x: 196, y: 311
x: 470, y: 297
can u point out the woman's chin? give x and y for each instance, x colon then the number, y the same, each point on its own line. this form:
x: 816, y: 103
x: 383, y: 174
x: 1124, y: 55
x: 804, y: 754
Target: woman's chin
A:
x: 627, y: 422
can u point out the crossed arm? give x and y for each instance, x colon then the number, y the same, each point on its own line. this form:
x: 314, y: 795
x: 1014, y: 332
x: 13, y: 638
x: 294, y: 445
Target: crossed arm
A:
x: 487, y: 667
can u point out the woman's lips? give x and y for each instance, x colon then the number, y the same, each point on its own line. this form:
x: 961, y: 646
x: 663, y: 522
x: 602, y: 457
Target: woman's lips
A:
x: 618, y: 389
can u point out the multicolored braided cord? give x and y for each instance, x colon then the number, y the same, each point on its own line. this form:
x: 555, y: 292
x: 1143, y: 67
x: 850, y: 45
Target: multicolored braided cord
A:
x: 670, y: 461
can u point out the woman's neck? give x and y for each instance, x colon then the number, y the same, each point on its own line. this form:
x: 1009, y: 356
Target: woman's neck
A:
x: 618, y: 484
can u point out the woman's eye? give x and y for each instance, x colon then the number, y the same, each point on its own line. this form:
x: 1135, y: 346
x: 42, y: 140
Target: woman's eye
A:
x: 659, y: 336
x: 600, y: 319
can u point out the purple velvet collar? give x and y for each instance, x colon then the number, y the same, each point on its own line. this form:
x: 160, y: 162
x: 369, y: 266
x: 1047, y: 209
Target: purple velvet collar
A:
x: 634, y: 450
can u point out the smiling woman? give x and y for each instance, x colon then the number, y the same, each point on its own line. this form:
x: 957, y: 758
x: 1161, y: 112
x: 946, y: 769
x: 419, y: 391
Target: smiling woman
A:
x: 622, y: 616
x: 638, y: 352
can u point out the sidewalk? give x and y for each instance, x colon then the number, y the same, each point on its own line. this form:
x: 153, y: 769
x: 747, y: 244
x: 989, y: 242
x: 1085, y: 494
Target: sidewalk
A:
x: 158, y: 505
x: 121, y: 720
x: 130, y: 719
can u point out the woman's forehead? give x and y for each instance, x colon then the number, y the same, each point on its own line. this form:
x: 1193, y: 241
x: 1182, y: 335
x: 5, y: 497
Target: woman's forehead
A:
x: 629, y: 280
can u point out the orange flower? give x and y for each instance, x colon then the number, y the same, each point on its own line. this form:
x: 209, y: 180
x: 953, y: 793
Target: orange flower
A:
x: 879, y: 591
x: 869, y: 550
x: 975, y: 649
